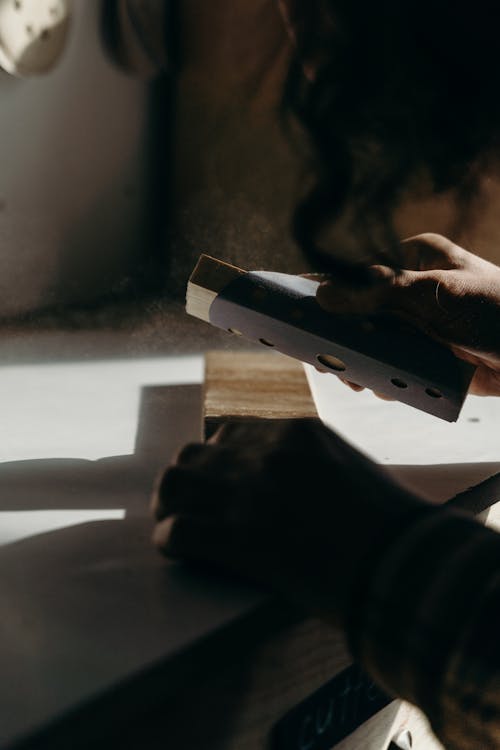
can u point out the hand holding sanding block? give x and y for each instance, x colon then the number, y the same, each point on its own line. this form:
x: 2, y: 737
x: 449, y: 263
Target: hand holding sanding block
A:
x: 280, y: 310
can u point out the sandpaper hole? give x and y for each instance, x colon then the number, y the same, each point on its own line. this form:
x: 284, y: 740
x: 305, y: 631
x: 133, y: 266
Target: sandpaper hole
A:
x: 399, y: 383
x: 333, y: 363
x: 433, y: 393
x: 266, y: 342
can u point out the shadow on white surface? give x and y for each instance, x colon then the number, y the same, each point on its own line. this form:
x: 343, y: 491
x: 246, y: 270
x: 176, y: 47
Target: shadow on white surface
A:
x: 391, y: 433
x: 87, y: 607
x: 59, y: 418
x: 22, y: 524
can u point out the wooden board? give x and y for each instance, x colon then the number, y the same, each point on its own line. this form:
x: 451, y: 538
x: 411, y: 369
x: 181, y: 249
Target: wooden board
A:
x: 254, y: 385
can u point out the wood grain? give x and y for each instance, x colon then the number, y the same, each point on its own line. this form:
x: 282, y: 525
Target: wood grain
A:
x: 208, y: 279
x: 254, y: 385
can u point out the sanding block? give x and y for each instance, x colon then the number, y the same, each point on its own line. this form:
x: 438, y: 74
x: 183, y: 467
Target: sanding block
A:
x: 280, y: 311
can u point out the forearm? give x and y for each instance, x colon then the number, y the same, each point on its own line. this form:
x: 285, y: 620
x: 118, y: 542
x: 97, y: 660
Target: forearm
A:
x: 428, y: 622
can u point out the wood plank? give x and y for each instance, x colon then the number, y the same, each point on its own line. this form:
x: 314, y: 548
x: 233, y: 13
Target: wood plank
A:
x: 254, y: 385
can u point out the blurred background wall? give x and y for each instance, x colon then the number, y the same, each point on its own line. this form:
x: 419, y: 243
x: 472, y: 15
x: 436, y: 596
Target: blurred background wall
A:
x: 79, y: 177
x: 113, y: 182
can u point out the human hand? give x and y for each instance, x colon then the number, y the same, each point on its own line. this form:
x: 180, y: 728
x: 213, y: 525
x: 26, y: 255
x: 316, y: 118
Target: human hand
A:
x: 447, y: 292
x: 286, y: 503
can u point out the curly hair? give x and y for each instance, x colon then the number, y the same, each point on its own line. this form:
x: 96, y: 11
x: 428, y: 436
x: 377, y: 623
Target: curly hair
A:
x: 393, y: 94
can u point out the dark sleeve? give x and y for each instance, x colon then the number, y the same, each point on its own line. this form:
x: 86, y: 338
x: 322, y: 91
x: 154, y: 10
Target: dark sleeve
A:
x: 428, y: 626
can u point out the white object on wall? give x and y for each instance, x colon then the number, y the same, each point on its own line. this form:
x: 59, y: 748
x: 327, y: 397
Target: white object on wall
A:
x: 33, y: 35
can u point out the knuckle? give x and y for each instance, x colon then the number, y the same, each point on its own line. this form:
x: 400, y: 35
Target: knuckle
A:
x: 176, y: 536
x: 168, y: 486
x: 161, y: 534
x: 170, y: 481
x: 190, y: 452
x: 171, y: 536
x: 157, y: 496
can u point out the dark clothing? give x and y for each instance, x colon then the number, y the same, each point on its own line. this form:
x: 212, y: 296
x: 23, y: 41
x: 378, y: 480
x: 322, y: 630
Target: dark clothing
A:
x: 428, y: 627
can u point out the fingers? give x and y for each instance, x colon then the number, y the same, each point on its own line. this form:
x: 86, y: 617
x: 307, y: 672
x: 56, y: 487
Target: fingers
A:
x: 486, y: 379
x: 189, y: 509
x: 486, y: 382
x: 358, y: 388
x: 383, y: 397
x: 427, y: 300
x: 406, y: 287
x: 383, y: 293
x: 429, y: 251
x: 188, y: 484
x: 316, y: 276
x: 390, y: 290
x: 181, y: 489
x: 353, y: 386
x: 190, y: 452
x: 182, y: 536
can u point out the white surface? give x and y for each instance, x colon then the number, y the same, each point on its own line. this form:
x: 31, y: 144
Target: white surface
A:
x: 394, y: 433
x: 84, y: 410
x: 87, y: 602
x: 81, y: 409
x: 22, y: 524
x: 75, y: 180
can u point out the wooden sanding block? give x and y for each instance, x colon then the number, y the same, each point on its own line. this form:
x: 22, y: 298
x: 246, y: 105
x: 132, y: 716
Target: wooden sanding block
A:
x: 279, y: 311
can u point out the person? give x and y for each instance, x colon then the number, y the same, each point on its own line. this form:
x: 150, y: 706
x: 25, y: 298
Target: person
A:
x: 415, y: 587
x: 395, y: 98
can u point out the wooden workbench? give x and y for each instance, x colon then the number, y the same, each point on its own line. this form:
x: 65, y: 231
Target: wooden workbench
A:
x: 105, y: 644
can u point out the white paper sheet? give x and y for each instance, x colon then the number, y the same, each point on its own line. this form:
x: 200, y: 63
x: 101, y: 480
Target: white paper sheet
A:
x: 80, y: 409
x: 394, y: 433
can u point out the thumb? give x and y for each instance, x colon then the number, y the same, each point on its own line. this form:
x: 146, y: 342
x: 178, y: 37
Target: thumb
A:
x: 412, y: 295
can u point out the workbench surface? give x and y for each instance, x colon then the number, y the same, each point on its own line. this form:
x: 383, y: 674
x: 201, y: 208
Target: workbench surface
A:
x: 88, y: 606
